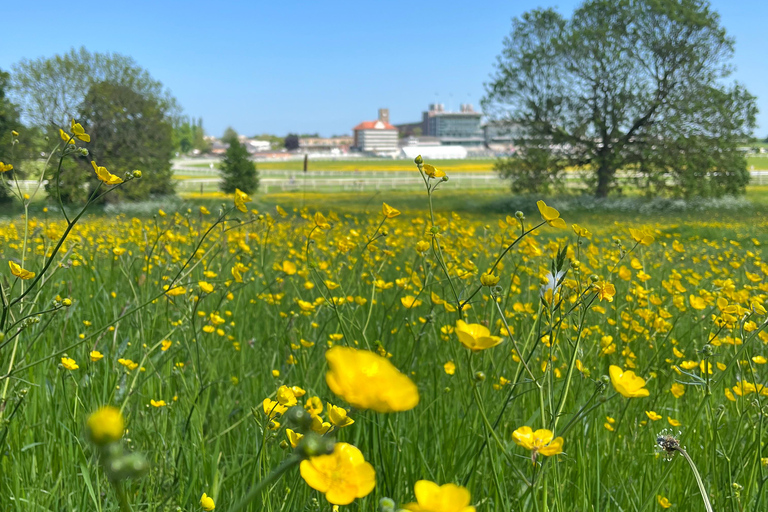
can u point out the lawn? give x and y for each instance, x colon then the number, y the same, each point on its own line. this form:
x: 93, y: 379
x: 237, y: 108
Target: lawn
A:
x: 203, y: 325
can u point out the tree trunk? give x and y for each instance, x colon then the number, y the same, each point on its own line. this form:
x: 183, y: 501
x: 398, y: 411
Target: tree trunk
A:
x: 604, y: 177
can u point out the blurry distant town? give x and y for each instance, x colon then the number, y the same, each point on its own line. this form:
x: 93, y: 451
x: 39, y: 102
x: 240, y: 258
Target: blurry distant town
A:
x: 440, y: 134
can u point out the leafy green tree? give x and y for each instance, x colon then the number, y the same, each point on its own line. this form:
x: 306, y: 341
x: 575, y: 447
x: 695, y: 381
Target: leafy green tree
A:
x: 624, y: 85
x: 128, y: 131
x: 50, y: 90
x: 188, y: 134
x: 9, y: 121
x: 237, y: 170
x: 291, y: 141
x: 229, y: 135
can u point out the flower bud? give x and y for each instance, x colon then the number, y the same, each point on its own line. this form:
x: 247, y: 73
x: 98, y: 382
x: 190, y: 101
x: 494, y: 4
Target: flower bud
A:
x: 83, y: 151
x: 520, y: 215
x: 313, y: 444
x: 284, y: 444
x: 445, y: 178
x: 707, y: 350
x: 418, y: 160
x: 386, y: 505
x: 479, y: 376
x: 137, y: 174
x: 299, y: 417
x: 594, y: 278
x: 132, y: 465
x: 434, y: 230
x: 66, y: 302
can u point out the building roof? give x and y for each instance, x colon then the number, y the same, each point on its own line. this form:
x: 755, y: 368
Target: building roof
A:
x: 374, y: 125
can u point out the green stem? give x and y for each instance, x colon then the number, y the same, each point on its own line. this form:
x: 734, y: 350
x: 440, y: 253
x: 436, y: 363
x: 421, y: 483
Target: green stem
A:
x: 272, y: 477
x: 696, y: 475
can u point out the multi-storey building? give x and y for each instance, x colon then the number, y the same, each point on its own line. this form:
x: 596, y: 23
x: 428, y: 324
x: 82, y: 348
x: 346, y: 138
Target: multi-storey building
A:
x: 453, y: 128
x: 378, y: 136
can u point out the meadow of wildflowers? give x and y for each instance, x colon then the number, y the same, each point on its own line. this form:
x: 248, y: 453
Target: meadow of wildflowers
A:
x: 235, y: 355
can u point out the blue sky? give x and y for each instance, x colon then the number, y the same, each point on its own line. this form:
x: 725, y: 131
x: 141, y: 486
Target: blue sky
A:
x: 318, y: 66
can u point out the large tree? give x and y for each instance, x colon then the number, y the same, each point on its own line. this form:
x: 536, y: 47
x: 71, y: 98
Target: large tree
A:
x: 237, y: 169
x: 128, y: 131
x: 9, y: 121
x: 624, y: 85
x: 50, y: 90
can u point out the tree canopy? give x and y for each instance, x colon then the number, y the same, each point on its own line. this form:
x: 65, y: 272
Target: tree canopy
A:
x: 237, y: 170
x: 636, y: 86
x: 51, y: 89
x: 128, y: 131
x: 9, y: 121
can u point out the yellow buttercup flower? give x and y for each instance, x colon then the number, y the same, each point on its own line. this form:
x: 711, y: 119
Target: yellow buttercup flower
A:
x: 321, y: 221
x: 605, y: 290
x: 176, y: 290
x: 489, y: 280
x: 409, y: 301
x: 697, y: 302
x: 580, y: 231
x: 293, y: 437
x: 205, y: 286
x: 240, y: 199
x: 475, y: 337
x: 338, y: 416
x: 368, y: 381
x: 663, y: 502
x: 653, y: 416
x: 314, y: 405
x: 449, y: 368
x: 20, y: 272
x: 66, y: 137
x: 106, y: 425
x: 342, y: 476
x: 69, y: 364
x: 433, y: 172
x: 640, y: 236
x: 207, y: 503
x: 5, y: 167
x: 286, y: 397
x: 388, y: 211
x: 79, y: 132
x: 422, y: 246
x: 550, y: 215
x: 288, y: 267
x: 105, y: 176
x: 431, y: 497
x: 678, y: 389
x: 96, y: 355
x: 541, y: 441
x: 627, y: 383
x: 158, y: 403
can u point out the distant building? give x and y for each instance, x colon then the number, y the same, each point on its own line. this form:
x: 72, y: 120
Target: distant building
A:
x: 325, y: 144
x: 218, y: 147
x: 378, y: 137
x: 460, y: 128
x: 436, y: 152
x: 257, y: 146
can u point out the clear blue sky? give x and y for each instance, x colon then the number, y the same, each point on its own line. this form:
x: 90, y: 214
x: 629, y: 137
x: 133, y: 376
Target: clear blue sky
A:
x: 318, y: 66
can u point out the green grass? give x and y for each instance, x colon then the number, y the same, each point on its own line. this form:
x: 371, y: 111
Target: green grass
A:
x: 212, y: 437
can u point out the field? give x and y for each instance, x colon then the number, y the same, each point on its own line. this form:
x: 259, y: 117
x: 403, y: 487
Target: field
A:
x: 203, y: 325
x: 484, y: 165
